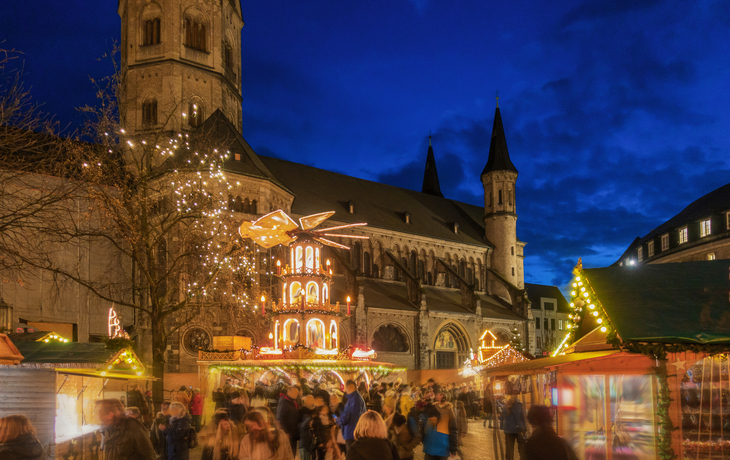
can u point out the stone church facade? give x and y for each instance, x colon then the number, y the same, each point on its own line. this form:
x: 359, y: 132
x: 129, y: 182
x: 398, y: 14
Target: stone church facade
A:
x: 432, y: 276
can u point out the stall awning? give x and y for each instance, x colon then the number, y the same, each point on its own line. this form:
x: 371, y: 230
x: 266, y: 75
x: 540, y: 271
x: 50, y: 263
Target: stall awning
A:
x: 545, y: 365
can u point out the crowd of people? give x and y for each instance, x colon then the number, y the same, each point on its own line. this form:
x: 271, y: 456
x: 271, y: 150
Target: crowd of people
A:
x: 385, y: 421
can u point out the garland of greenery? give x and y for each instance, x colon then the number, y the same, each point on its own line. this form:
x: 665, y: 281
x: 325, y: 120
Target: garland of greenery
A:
x: 666, y: 426
x: 119, y: 343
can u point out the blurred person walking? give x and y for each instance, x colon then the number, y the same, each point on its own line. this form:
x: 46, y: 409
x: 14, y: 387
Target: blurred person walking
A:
x: 325, y: 432
x: 350, y: 416
x: 287, y: 414
x: 545, y: 444
x: 405, y: 436
x: 514, y: 427
x: 178, y: 433
x: 439, y: 427
x: 122, y: 437
x: 220, y: 439
x: 263, y: 442
x: 196, y: 409
x: 371, y: 440
x: 18, y: 440
x: 157, y: 436
x: 236, y: 407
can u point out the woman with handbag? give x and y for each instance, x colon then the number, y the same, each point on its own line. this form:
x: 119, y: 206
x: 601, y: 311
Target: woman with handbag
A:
x: 514, y: 427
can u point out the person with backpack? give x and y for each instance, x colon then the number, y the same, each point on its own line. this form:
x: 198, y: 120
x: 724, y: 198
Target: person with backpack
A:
x: 514, y: 427
x: 405, y: 435
x: 179, y: 435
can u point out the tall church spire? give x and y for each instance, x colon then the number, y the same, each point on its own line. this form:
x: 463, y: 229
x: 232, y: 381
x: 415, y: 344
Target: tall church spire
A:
x: 430, y: 176
x: 498, y: 154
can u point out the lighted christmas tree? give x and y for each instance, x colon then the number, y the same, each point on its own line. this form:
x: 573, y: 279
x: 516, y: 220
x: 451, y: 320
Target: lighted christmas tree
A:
x: 516, y: 341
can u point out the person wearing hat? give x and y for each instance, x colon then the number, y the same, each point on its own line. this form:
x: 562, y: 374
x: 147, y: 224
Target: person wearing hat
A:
x: 440, y: 431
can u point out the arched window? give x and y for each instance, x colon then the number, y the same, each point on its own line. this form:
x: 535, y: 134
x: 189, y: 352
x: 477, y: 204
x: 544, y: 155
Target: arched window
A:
x: 312, y: 293
x: 315, y: 333
x: 151, y: 32
x: 228, y: 56
x: 290, y: 332
x: 298, y: 262
x: 333, y: 335
x: 421, y: 271
x: 231, y: 203
x: 366, y: 263
x: 246, y: 205
x: 325, y: 293
x: 309, y: 260
x: 254, y: 207
x: 283, y: 293
x: 413, y: 265
x: 317, y: 263
x: 195, y: 34
x: 238, y: 205
x: 389, y: 338
x: 196, y: 114
x: 295, y: 292
x: 404, y: 262
x: 149, y: 111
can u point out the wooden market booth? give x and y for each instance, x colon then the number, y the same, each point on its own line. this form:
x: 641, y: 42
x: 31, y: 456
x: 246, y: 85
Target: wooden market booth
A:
x: 645, y: 377
x: 55, y: 383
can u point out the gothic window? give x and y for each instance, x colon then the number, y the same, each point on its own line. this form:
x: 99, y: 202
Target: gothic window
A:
x: 238, y: 205
x: 366, y: 260
x: 151, y: 32
x: 246, y: 205
x: 196, y: 338
x: 412, y: 266
x: 228, y: 56
x: 389, y: 338
x: 195, y: 33
x: 421, y: 270
x: 253, y: 209
x: 196, y: 114
x: 356, y: 251
x: 149, y: 112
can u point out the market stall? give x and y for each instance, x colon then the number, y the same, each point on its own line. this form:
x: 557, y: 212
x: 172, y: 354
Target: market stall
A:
x: 56, y: 385
x: 644, y: 371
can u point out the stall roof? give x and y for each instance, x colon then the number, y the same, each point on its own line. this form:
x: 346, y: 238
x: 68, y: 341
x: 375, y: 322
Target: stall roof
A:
x: 683, y: 302
x: 57, y: 353
x: 529, y: 367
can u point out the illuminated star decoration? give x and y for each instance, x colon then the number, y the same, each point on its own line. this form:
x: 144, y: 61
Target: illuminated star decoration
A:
x: 678, y: 365
x: 279, y: 228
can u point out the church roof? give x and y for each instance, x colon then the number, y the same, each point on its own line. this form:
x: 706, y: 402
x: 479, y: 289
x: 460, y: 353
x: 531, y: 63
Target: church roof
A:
x: 218, y: 127
x: 498, y: 154
x: 430, y: 176
x: 380, y: 205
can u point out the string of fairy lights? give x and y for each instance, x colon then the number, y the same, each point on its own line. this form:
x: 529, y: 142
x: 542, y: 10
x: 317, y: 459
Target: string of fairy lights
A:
x: 584, y: 305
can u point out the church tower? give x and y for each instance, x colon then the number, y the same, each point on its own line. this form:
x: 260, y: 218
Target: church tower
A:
x: 430, y: 175
x: 180, y: 62
x: 499, y: 178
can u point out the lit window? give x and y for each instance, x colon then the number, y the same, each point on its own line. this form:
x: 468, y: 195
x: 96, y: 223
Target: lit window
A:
x: 640, y: 254
x: 711, y: 256
x: 705, y: 228
x: 560, y: 324
x: 650, y: 248
x: 683, y: 236
x: 665, y: 242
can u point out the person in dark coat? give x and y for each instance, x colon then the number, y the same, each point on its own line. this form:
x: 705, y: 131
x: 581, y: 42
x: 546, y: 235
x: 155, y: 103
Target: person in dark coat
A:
x: 236, y: 408
x: 177, y: 432
x: 514, y: 427
x: 371, y: 440
x: 122, y: 438
x: 487, y: 408
x: 17, y: 439
x: 350, y: 415
x: 219, y: 398
x: 157, y: 436
x: 287, y: 415
x: 545, y: 444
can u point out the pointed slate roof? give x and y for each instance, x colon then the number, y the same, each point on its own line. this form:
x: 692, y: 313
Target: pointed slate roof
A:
x: 430, y: 176
x: 498, y: 154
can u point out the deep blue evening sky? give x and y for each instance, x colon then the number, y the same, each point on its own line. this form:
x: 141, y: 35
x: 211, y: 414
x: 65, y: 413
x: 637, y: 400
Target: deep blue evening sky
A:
x: 617, y: 112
